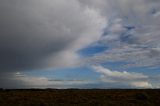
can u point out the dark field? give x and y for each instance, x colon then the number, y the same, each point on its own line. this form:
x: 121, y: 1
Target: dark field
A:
x: 79, y: 97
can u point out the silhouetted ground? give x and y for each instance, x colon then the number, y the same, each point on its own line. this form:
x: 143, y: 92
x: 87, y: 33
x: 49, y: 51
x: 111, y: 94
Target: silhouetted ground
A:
x: 80, y: 97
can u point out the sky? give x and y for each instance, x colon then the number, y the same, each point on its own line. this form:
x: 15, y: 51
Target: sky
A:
x: 79, y: 44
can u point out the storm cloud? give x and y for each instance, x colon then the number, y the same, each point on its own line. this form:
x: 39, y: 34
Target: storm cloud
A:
x: 41, y: 34
x: 38, y: 35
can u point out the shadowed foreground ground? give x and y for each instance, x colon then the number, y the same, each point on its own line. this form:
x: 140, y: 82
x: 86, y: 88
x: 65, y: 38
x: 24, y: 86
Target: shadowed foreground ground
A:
x: 73, y: 97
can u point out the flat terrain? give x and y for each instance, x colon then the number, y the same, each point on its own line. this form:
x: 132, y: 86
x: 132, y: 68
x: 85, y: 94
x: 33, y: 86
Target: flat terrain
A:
x: 80, y: 97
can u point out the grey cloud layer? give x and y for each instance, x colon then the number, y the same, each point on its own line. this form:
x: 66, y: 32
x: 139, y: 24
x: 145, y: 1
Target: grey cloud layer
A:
x: 132, y: 34
x: 47, y: 33
x: 33, y: 31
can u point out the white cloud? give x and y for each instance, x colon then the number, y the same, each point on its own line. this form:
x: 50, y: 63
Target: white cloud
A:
x: 134, y: 56
x: 136, y: 45
x: 44, y: 82
x: 130, y: 79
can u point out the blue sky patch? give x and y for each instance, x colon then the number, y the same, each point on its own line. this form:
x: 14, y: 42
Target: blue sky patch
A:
x: 81, y: 73
x: 91, y: 50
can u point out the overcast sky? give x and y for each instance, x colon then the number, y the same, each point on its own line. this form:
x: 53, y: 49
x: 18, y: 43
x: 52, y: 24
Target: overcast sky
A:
x: 79, y: 43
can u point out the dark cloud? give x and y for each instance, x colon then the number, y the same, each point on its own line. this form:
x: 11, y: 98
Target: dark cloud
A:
x: 36, y: 34
x: 32, y: 31
x: 25, y: 36
x: 42, y: 34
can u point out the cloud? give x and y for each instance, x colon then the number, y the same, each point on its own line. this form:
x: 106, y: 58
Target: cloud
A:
x: 20, y: 80
x: 43, y: 82
x: 132, y: 33
x: 38, y: 34
x: 130, y: 79
x: 41, y: 34
x: 132, y: 56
